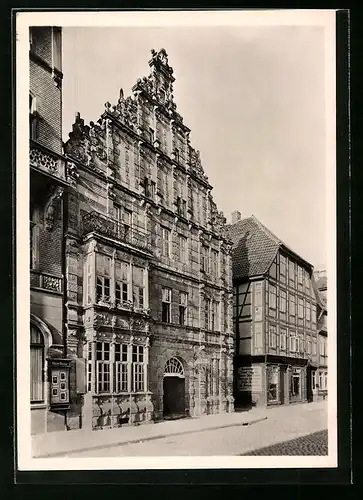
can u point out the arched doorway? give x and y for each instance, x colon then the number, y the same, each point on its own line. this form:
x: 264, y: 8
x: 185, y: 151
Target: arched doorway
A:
x: 174, y: 389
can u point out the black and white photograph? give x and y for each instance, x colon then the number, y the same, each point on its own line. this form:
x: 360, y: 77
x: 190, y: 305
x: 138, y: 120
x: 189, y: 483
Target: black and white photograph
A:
x: 176, y: 240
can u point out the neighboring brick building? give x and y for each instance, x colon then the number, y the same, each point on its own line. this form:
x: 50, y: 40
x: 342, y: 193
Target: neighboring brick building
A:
x: 149, y: 295
x: 321, y: 377
x: 50, y: 178
x: 274, y: 318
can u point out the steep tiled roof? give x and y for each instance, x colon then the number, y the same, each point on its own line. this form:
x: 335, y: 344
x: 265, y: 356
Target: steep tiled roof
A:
x: 254, y: 247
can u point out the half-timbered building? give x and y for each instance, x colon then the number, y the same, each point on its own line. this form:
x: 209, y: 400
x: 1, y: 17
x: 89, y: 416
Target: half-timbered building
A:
x: 274, y: 316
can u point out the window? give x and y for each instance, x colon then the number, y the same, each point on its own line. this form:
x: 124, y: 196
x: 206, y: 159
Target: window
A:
x: 166, y: 304
x: 103, y: 264
x: 313, y: 314
x: 283, y: 339
x: 214, y: 258
x: 122, y: 282
x: 176, y: 155
x: 272, y: 295
x: 301, y: 345
x: 273, y: 336
x: 308, y: 345
x: 182, y: 249
x: 300, y: 308
x: 308, y: 311
x: 313, y: 380
x: 207, y: 314
x: 33, y: 117
x: 205, y: 259
x: 282, y: 268
x: 258, y: 294
x: 292, y: 305
x: 183, y: 302
x: 291, y: 273
x: 89, y: 367
x: 34, y: 236
x: 314, y: 347
x: 138, y: 367
x: 282, y: 301
x: 307, y: 281
x: 293, y: 343
x: 138, y: 287
x: 165, y: 238
x: 214, y: 316
x: 258, y: 335
x: 273, y: 384
x: 36, y: 365
x: 103, y: 366
x: 121, y: 368
x: 299, y: 275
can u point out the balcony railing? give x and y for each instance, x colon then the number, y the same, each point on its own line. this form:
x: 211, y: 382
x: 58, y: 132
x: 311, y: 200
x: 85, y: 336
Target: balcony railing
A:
x: 45, y: 281
x: 104, y: 225
x: 47, y: 162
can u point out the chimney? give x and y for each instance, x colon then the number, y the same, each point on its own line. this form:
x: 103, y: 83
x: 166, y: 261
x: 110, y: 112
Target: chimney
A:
x: 236, y: 216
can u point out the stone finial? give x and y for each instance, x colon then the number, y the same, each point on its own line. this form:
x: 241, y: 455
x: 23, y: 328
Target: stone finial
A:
x: 236, y: 216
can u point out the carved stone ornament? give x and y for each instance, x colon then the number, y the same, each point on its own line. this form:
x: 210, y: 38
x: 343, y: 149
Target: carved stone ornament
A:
x: 72, y: 173
x: 51, y: 207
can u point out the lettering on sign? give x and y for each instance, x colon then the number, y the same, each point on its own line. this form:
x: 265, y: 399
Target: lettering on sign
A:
x: 250, y: 378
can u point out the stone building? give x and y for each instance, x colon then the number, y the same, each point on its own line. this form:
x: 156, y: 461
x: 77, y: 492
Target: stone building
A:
x: 274, y: 316
x: 320, y: 381
x: 50, y: 179
x: 149, y: 281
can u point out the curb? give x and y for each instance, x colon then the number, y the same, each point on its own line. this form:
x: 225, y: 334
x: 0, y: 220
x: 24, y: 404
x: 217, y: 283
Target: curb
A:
x: 142, y: 440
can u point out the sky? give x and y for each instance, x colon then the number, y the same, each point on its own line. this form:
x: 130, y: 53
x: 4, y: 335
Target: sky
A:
x: 254, y: 99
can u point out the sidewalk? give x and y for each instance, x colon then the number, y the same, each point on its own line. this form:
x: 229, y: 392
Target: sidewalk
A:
x: 68, y: 443
x: 56, y: 444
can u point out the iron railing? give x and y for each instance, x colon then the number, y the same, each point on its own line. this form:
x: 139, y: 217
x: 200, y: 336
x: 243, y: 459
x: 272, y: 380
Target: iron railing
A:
x: 106, y: 226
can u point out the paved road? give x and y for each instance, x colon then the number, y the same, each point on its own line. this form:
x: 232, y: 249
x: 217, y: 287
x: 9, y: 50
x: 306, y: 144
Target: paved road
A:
x: 312, y: 444
x: 279, y: 434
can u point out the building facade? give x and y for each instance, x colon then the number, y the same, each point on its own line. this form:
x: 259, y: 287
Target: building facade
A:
x: 274, y: 314
x: 148, y: 270
x: 50, y: 180
x: 320, y: 381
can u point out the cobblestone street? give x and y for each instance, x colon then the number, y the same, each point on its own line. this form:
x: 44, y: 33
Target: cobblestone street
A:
x: 312, y: 444
x: 291, y: 430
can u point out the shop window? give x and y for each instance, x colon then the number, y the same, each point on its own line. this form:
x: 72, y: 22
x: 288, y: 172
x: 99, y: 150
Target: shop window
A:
x: 295, y: 384
x: 273, y: 384
x: 37, y: 360
x: 166, y: 305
